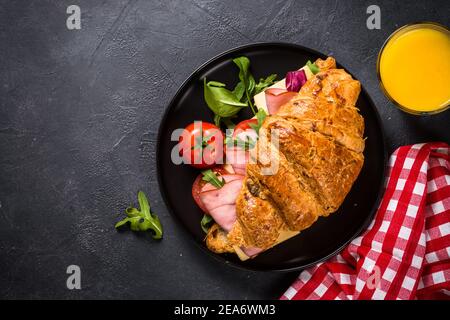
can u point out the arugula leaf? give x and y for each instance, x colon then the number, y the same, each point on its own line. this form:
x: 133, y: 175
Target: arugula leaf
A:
x: 201, y: 141
x: 132, y: 212
x: 264, y: 83
x: 246, y: 80
x: 260, y: 116
x: 143, y: 203
x: 122, y: 222
x: 246, y: 144
x: 211, y: 177
x: 220, y: 100
x: 142, y: 220
x: 206, y: 222
x: 313, y: 67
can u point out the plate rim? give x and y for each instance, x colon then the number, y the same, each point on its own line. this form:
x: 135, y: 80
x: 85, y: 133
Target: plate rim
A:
x: 169, y: 107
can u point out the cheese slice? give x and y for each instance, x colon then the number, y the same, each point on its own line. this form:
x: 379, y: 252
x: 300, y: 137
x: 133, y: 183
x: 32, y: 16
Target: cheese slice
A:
x: 260, y: 98
x: 284, y: 235
x: 240, y: 253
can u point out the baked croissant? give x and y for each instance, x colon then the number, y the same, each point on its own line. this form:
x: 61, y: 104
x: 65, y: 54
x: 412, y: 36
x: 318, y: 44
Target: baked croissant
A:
x: 318, y: 158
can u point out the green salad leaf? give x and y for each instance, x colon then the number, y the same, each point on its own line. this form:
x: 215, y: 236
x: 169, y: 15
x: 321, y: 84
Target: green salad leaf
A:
x: 264, y: 83
x: 205, y: 223
x: 143, y: 219
x: 226, y: 104
x: 245, y: 144
x: 313, y: 67
x: 239, y: 90
x: 211, y: 177
x: 260, y: 116
x: 247, y: 82
x: 221, y: 101
x: 217, y: 120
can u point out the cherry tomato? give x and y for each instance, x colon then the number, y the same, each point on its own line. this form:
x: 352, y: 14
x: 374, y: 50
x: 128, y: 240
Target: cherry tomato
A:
x: 199, y: 183
x: 244, y: 130
x: 201, y: 145
x: 244, y: 126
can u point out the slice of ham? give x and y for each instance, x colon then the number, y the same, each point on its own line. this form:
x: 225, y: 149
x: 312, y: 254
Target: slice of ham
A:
x: 224, y: 216
x: 238, y: 158
x: 251, y: 251
x: 221, y: 203
x: 276, y: 97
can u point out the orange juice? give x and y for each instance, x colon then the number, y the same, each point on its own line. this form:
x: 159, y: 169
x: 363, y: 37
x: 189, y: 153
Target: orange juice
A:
x: 414, y: 68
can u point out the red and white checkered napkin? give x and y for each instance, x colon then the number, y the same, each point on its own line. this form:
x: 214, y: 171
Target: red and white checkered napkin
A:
x: 405, y: 252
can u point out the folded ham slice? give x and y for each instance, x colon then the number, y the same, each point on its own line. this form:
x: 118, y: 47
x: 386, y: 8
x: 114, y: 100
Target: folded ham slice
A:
x: 238, y: 159
x: 221, y: 203
x: 275, y: 98
x: 236, y: 155
x: 251, y: 251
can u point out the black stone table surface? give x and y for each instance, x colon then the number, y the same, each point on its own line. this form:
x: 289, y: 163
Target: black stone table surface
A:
x: 79, y: 115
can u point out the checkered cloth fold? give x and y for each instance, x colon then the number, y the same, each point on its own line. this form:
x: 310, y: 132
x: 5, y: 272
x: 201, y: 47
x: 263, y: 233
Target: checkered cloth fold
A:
x: 405, y: 252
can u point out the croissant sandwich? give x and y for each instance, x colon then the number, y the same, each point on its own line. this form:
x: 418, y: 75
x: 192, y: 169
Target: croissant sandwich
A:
x: 305, y: 162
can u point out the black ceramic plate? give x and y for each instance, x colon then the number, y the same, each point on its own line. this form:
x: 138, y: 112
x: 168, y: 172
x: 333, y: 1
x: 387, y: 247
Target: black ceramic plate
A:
x: 325, y: 237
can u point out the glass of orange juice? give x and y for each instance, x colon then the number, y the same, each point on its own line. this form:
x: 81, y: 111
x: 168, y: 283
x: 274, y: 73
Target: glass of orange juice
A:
x: 414, y: 68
